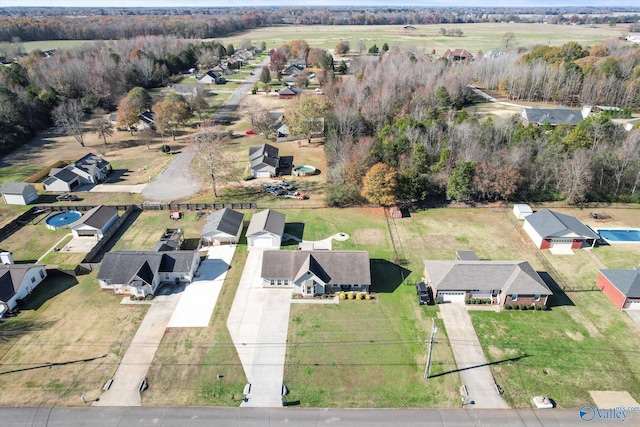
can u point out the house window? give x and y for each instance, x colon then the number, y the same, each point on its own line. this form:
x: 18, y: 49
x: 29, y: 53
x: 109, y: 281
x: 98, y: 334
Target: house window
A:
x: 285, y: 282
x: 514, y: 297
x: 279, y: 282
x: 42, y: 274
x: 272, y: 282
x: 166, y: 276
x: 536, y: 297
x: 475, y: 290
x: 33, y: 279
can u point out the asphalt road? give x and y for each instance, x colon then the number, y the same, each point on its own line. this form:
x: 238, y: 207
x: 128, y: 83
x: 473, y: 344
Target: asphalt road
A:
x: 176, y: 181
x: 258, y: 417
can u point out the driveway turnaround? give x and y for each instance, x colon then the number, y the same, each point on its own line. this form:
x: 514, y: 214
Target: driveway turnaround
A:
x: 200, y: 296
x: 118, y: 188
x: 133, y: 368
x: 472, y: 364
x: 258, y: 324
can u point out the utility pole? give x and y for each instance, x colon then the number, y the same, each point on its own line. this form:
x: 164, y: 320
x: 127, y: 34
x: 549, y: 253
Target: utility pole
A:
x: 434, y: 331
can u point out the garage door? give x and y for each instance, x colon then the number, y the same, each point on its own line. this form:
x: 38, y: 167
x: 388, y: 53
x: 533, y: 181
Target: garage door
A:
x: 87, y: 232
x: 262, y: 242
x: 561, y: 243
x: 457, y: 297
x: 633, y: 304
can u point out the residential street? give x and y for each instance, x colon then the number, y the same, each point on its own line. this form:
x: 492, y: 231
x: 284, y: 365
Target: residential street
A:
x: 176, y: 181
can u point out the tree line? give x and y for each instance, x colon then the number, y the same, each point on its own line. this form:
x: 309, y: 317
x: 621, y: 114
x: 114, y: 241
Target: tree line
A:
x: 401, y: 120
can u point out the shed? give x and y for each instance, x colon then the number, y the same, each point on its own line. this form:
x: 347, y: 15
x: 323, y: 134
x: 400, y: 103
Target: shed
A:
x: 521, y: 211
x: 266, y: 230
x: 18, y: 193
x: 223, y: 226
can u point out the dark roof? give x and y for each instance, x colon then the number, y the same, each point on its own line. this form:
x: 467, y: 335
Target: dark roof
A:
x: 97, y: 217
x: 11, y: 276
x: 553, y: 116
x: 91, y: 163
x: 147, y: 117
x: 512, y: 277
x: 626, y: 281
x: 15, y: 187
x: 65, y: 175
x: 466, y: 256
x: 125, y: 266
x: 226, y: 221
x: 332, y: 267
x: 166, y: 246
x: 289, y: 91
x: 267, y: 220
x: 548, y: 223
x: 264, y: 155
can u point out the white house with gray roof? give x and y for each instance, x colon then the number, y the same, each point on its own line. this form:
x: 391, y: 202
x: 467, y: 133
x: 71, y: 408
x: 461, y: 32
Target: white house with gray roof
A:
x: 312, y: 273
x: 264, y: 161
x: 265, y: 230
x: 554, y: 230
x: 17, y: 281
x: 140, y: 273
x: 223, y: 226
x: 18, y: 193
x: 504, y: 282
x: 89, y: 169
x: 95, y: 222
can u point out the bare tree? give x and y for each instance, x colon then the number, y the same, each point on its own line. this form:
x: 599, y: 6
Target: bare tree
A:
x: 508, y: 39
x: 214, y: 162
x: 147, y: 135
x: 103, y: 127
x: 68, y: 118
x: 576, y: 176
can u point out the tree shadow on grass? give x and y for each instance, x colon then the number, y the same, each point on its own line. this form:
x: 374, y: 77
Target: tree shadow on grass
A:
x: 54, y: 284
x: 559, y: 297
x: 386, y: 276
x: 12, y: 329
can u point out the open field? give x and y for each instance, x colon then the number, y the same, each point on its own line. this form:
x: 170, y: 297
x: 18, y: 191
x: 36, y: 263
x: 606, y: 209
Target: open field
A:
x: 485, y: 36
x: 67, y: 342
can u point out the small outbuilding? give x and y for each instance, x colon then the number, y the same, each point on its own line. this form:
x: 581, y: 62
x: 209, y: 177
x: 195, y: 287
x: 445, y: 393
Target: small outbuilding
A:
x: 555, y: 230
x: 17, y: 281
x: 622, y: 287
x: 95, y: 222
x: 266, y: 230
x: 521, y: 211
x: 18, y: 193
x: 223, y: 226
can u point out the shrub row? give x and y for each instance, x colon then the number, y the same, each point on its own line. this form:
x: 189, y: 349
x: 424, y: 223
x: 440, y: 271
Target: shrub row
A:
x: 136, y: 298
x: 525, y: 307
x: 354, y: 295
x: 478, y: 301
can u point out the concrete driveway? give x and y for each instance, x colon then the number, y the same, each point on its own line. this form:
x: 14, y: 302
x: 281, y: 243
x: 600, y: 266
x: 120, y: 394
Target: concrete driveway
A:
x: 136, y: 362
x: 471, y: 362
x: 635, y: 316
x: 258, y: 324
x: 200, y: 296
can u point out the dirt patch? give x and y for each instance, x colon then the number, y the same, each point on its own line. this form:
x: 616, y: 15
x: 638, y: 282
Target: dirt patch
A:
x: 367, y: 236
x: 576, y: 336
x: 612, y: 399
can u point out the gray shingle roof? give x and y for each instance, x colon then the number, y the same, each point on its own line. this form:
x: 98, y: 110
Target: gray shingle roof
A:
x: 14, y: 187
x: 91, y: 163
x: 626, y: 281
x: 11, y: 276
x: 66, y: 175
x: 267, y: 220
x: 553, y: 116
x: 226, y: 221
x: 96, y: 217
x: 549, y: 223
x: 512, y: 277
x: 333, y: 267
x: 123, y: 266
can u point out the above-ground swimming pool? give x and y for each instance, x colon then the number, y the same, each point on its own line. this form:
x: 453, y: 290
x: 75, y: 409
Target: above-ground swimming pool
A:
x: 62, y: 219
x: 304, y: 170
x: 620, y: 235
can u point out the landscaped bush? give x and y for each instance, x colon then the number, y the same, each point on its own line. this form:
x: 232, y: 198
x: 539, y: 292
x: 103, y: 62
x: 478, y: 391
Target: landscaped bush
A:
x: 359, y: 296
x: 367, y: 297
x: 351, y: 295
x: 165, y: 149
x: 467, y: 301
x: 523, y: 307
x: 516, y: 307
x: 342, y: 295
x: 508, y: 307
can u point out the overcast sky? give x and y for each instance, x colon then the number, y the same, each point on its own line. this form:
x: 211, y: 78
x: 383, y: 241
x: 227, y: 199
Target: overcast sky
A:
x: 226, y: 3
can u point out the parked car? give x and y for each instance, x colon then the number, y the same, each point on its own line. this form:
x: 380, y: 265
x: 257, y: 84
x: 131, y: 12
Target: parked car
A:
x: 67, y: 197
x: 286, y: 186
x: 422, y: 290
x: 296, y: 195
x: 250, y: 132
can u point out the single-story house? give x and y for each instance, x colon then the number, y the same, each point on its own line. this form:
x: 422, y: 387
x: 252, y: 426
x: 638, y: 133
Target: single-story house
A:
x: 140, y: 273
x: 95, y: 222
x: 264, y: 160
x: 312, y: 273
x: 211, y: 77
x: 223, y: 226
x: 504, y: 282
x: 146, y: 121
x: 17, y: 281
x: 265, y: 230
x: 552, y: 116
x: 622, y: 287
x: 458, y: 55
x: 293, y: 70
x: 188, y: 89
x: 289, y: 92
x: 18, y: 193
x: 549, y: 229
x: 89, y: 169
x: 521, y: 211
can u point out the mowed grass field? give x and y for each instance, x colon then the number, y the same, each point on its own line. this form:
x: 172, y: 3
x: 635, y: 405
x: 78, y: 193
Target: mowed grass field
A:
x: 484, y: 36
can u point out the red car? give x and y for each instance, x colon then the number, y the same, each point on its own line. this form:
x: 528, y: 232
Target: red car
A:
x: 250, y: 132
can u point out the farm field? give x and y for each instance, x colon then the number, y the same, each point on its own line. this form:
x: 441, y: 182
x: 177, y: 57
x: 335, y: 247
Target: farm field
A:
x: 483, y: 36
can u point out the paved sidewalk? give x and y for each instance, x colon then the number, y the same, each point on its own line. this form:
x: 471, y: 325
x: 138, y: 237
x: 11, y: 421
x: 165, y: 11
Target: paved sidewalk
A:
x: 136, y: 362
x: 258, y: 323
x: 472, y: 364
